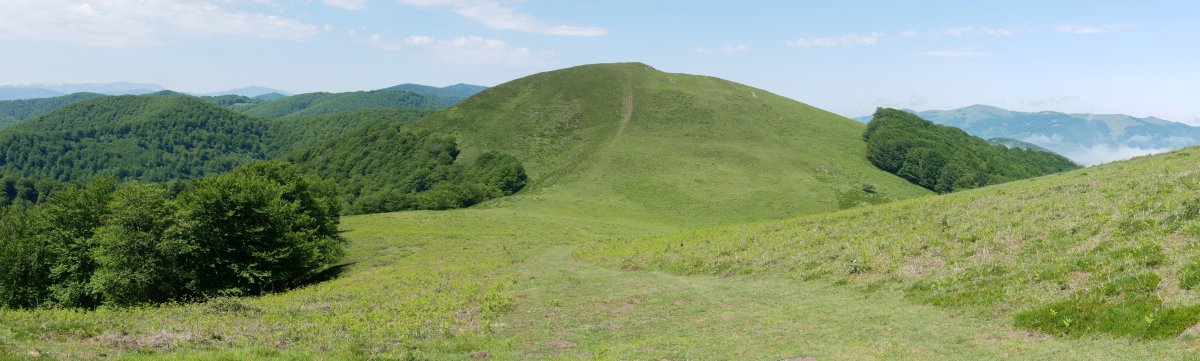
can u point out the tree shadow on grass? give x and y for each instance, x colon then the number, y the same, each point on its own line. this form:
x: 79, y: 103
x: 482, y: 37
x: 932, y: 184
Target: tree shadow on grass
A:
x: 327, y: 274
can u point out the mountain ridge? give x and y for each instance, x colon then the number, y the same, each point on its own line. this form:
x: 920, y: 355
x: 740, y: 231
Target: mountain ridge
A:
x: 1085, y: 138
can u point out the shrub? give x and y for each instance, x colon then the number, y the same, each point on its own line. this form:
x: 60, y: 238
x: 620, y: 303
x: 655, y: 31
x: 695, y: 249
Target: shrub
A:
x: 135, y: 262
x: 25, y: 275
x: 259, y: 228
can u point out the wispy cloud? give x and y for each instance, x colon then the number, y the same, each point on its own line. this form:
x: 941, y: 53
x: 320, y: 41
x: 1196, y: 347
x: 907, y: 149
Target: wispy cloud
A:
x: 463, y: 50
x: 125, y: 23
x: 956, y: 53
x: 723, y: 50
x: 957, y: 31
x: 1005, y: 32
x: 477, y: 50
x: 909, y: 34
x: 960, y: 31
x: 346, y: 4
x: 494, y: 15
x: 844, y: 40
x: 1091, y: 29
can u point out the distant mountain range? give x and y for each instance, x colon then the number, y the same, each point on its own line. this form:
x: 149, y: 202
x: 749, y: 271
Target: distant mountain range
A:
x: 251, y: 91
x: 1085, y: 138
x: 32, y: 91
x: 451, y: 94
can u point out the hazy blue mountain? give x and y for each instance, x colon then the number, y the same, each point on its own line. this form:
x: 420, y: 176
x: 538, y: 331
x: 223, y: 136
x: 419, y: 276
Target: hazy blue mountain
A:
x: 1013, y: 143
x: 251, y: 91
x: 450, y: 94
x: 33, y: 91
x: 15, y: 93
x: 1085, y: 138
x: 270, y: 96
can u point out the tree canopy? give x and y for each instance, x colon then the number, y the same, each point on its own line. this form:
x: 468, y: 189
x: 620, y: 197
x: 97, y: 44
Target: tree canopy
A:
x: 946, y: 159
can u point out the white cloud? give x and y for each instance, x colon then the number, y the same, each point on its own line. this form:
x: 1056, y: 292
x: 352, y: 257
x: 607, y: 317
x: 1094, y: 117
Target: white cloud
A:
x: 494, y: 15
x: 1091, y: 29
x: 844, y: 40
x: 1005, y: 32
x: 1104, y: 153
x: 477, y: 50
x: 957, y: 31
x: 417, y: 40
x: 346, y: 4
x: 471, y: 50
x: 909, y: 34
x: 723, y: 50
x: 123, y: 23
x: 952, y: 53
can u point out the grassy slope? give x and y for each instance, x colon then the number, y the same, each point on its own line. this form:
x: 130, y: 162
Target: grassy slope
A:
x: 627, y: 141
x: 500, y: 281
x: 999, y: 251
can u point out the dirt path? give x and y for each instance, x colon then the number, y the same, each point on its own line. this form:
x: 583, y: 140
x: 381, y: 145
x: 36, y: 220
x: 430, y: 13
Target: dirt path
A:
x: 627, y: 111
x: 626, y: 115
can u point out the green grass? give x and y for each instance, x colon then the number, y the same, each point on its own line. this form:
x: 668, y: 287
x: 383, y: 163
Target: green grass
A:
x: 416, y: 285
x: 694, y: 150
x: 1020, y: 248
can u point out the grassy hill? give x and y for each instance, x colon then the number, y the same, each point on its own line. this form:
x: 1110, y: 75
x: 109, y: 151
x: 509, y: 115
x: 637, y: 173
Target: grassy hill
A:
x: 313, y: 104
x: 629, y: 141
x: 1105, y: 250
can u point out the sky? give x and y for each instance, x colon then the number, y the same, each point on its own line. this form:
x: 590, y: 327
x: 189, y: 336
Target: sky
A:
x: 1130, y: 57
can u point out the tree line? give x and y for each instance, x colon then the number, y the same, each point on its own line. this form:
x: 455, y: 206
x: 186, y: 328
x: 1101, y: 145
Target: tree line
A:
x: 946, y: 159
x: 262, y: 227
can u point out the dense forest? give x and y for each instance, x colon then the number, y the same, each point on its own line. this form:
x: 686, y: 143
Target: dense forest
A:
x: 296, y: 133
x: 260, y: 228
x: 946, y: 159
x: 384, y: 167
x: 13, y: 111
x: 171, y: 138
x: 132, y: 137
x: 313, y: 104
x: 449, y: 95
x: 127, y: 200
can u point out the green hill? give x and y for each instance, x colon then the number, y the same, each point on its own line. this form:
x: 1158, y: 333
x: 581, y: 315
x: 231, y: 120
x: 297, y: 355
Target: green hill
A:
x: 300, y: 132
x: 313, y: 104
x: 450, y: 95
x: 1106, y: 250
x: 946, y: 159
x: 151, y: 138
x: 13, y: 111
x: 629, y: 141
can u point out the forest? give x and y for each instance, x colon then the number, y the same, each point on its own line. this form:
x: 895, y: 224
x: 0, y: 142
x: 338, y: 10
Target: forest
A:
x: 945, y: 159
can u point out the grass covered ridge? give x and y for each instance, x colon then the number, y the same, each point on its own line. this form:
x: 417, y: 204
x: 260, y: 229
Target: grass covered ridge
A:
x: 627, y: 141
x: 1055, y: 252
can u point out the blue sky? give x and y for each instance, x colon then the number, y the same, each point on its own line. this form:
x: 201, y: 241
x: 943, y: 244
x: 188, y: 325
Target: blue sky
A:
x: 1137, y: 58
